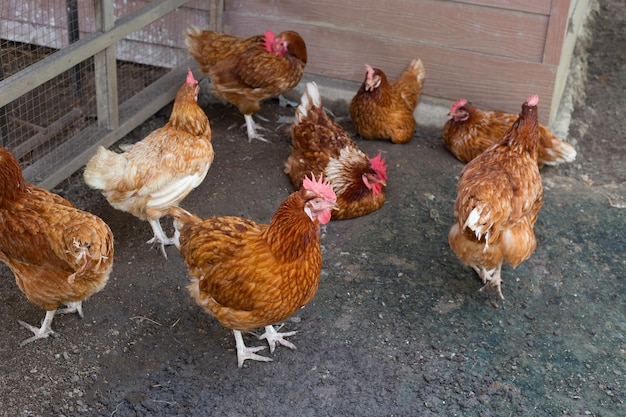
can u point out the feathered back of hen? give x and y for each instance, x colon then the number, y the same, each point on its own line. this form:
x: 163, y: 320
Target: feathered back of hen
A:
x: 11, y: 179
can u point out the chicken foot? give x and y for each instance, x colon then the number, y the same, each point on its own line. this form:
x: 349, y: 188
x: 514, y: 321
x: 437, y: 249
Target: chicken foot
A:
x: 252, y: 127
x: 72, y: 307
x: 491, y: 278
x: 244, y: 352
x: 46, y: 327
x: 159, y: 236
x: 40, y: 332
x: 274, y: 338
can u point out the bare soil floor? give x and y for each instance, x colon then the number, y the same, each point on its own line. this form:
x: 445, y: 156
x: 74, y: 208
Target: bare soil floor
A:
x: 398, y: 327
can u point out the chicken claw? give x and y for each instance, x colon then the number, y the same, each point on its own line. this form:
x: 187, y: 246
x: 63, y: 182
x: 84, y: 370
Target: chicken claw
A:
x: 274, y: 338
x: 72, y: 307
x: 252, y: 127
x: 159, y: 236
x: 40, y: 332
x: 491, y: 279
x: 244, y: 352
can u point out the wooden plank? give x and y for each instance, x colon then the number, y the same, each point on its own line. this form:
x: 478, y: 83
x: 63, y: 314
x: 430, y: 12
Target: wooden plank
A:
x: 216, y: 14
x: 74, y: 153
x: 557, y: 28
x: 59, y: 62
x: 531, y: 6
x: 447, y: 24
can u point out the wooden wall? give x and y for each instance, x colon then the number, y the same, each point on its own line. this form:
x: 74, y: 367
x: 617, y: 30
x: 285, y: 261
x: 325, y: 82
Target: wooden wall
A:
x: 493, y: 52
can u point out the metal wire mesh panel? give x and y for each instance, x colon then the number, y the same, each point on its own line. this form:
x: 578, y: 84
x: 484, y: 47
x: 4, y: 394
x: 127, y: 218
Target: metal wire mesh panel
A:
x: 48, y: 124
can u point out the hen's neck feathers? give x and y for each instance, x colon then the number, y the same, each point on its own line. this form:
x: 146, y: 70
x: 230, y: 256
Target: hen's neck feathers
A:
x: 187, y: 115
x: 291, y: 231
x: 523, y: 135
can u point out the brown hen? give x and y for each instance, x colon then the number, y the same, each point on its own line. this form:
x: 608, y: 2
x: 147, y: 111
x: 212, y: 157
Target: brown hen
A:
x: 499, y: 197
x: 246, y: 71
x: 320, y: 145
x: 383, y: 110
x: 471, y: 130
x: 58, y: 254
x: 251, y: 275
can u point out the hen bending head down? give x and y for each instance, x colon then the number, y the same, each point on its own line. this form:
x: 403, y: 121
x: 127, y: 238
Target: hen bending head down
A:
x: 247, y: 71
x: 498, y: 198
x: 320, y: 145
x: 251, y: 275
x: 58, y: 254
x: 162, y: 169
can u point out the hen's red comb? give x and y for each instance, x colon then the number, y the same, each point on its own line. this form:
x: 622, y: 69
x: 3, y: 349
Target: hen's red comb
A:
x: 190, y: 79
x: 378, y: 165
x: 533, y: 100
x: 268, y: 41
x: 320, y: 187
x: 370, y: 71
x: 459, y: 103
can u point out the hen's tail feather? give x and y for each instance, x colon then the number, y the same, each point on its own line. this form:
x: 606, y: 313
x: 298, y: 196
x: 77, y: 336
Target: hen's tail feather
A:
x: 416, y: 67
x: 182, y: 217
x: 556, y: 152
x: 104, y: 168
x: 310, y: 99
x: 192, y: 42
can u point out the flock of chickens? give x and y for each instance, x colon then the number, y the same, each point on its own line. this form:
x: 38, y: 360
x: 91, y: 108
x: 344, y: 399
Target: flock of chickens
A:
x: 251, y: 275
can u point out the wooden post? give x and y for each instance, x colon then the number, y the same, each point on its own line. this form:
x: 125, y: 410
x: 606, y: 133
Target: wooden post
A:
x: 73, y: 34
x: 106, y: 70
x: 216, y: 15
x: 4, y: 128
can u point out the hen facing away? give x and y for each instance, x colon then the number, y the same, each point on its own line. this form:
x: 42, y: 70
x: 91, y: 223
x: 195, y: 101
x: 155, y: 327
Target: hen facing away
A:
x: 320, y: 145
x: 498, y: 198
x: 384, y: 110
x: 159, y: 171
x: 471, y: 130
x: 247, y: 71
x: 251, y: 275
x: 58, y: 254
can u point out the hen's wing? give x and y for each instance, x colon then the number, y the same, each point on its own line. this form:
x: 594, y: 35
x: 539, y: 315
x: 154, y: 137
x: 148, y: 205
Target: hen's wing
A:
x: 238, y: 275
x: 254, y: 74
x: 208, y: 47
x: 496, y: 191
x: 157, y: 172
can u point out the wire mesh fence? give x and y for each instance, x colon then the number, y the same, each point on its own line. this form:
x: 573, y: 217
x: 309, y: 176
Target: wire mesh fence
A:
x: 49, y: 125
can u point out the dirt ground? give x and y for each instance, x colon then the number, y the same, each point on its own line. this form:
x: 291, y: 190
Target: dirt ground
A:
x: 397, y: 328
